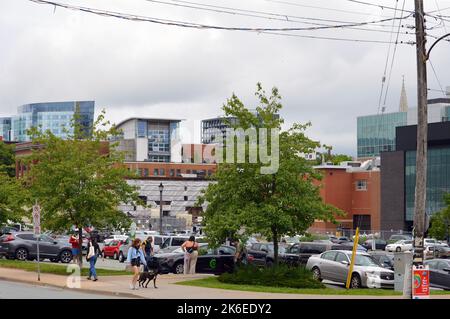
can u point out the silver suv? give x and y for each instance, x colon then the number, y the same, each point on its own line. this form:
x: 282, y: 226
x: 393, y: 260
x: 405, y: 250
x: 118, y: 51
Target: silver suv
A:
x: 23, y: 246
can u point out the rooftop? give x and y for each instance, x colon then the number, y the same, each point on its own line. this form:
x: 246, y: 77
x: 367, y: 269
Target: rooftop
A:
x: 149, y: 119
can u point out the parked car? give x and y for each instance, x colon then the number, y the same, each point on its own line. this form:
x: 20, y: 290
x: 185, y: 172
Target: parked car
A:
x: 395, y: 238
x: 111, y: 238
x: 383, y: 258
x: 262, y: 254
x: 379, y: 244
x: 348, y: 246
x: 401, y: 245
x: 439, y: 273
x: 305, y: 250
x: 429, y: 242
x: 23, y: 246
x: 111, y: 249
x: 210, y: 260
x: 334, y: 265
x: 8, y: 230
x: 432, y: 252
x: 157, y: 243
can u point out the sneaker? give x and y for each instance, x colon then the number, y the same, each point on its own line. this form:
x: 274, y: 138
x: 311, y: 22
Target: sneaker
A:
x: 131, y: 287
x: 88, y: 278
x: 95, y: 279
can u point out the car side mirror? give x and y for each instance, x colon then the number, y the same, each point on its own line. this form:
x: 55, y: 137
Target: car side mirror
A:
x: 55, y: 242
x: 344, y: 262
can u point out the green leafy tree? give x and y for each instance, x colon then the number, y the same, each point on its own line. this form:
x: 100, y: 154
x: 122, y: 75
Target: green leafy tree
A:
x: 244, y: 201
x: 14, y: 200
x: 79, y: 181
x: 440, y: 222
x: 7, y: 159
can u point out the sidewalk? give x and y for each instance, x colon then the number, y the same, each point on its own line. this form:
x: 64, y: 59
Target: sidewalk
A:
x: 119, y: 286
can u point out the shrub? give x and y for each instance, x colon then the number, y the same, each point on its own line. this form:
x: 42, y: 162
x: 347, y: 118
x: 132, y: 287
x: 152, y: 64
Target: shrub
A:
x: 279, y: 276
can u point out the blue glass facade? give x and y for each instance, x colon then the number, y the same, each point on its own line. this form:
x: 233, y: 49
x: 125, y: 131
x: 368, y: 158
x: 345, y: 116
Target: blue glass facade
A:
x: 159, y: 141
x: 438, y: 180
x: 376, y: 133
x: 54, y: 116
x: 5, y: 128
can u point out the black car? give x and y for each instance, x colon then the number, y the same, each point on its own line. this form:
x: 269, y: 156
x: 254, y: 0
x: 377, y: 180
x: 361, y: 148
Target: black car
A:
x: 23, y: 246
x: 210, y: 260
x: 380, y: 244
x: 262, y: 254
x: 384, y: 259
x: 305, y: 250
x: 439, y: 273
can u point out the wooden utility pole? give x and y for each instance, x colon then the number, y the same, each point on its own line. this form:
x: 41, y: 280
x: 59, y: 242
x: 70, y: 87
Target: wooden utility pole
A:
x: 422, y: 134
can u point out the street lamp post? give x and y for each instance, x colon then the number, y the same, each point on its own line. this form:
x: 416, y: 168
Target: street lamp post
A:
x: 161, y: 188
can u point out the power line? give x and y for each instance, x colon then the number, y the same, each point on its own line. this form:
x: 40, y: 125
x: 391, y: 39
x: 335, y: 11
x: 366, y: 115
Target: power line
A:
x: 317, y: 7
x: 437, y: 78
x: 203, y: 26
x: 393, y: 59
x: 379, y: 6
x: 265, y: 15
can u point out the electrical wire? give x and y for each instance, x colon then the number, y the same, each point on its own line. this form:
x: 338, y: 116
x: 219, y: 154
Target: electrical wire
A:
x: 437, y: 78
x: 265, y: 15
x: 204, y: 26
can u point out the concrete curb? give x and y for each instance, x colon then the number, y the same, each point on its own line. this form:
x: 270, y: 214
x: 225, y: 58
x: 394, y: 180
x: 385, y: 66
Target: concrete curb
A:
x: 93, y: 291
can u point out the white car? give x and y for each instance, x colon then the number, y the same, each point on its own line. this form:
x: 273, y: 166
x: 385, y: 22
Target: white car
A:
x: 401, y: 245
x: 429, y: 242
x: 115, y: 237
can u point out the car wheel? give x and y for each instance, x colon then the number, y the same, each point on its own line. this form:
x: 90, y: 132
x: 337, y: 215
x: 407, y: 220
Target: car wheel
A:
x: 65, y: 256
x: 21, y: 254
x: 178, y: 268
x: 121, y: 258
x: 355, y: 282
x: 115, y: 256
x: 316, y: 274
x: 398, y: 249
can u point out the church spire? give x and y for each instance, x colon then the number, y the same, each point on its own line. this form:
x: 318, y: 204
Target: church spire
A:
x: 403, y: 98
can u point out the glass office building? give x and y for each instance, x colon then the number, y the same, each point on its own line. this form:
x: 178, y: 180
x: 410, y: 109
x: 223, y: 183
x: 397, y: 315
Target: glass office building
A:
x: 54, y: 116
x: 376, y: 133
x: 5, y: 128
x: 438, y: 180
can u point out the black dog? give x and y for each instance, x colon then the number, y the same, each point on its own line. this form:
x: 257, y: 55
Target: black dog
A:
x: 150, y: 273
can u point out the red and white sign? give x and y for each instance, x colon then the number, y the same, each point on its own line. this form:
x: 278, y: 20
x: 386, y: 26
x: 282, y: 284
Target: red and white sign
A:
x: 37, y: 220
x: 420, y: 282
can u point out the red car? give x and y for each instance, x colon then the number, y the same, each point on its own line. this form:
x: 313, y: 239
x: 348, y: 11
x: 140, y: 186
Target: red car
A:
x: 111, y: 249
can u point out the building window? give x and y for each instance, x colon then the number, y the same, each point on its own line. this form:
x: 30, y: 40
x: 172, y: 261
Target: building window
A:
x: 185, y: 198
x: 162, y: 172
x: 172, y: 172
x: 155, y: 172
x: 185, y: 188
x: 146, y: 172
x: 361, y: 185
x: 178, y: 172
x: 188, y: 171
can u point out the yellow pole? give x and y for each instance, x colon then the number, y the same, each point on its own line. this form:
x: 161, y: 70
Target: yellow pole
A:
x: 352, y: 263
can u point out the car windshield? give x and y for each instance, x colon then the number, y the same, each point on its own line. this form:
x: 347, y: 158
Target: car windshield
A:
x: 363, y: 260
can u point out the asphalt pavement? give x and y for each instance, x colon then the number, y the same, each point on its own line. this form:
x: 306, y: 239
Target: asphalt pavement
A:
x: 15, y: 290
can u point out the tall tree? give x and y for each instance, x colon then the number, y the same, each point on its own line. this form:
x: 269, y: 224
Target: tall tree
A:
x: 79, y: 181
x: 14, y: 200
x: 246, y: 201
x: 7, y: 159
x: 440, y: 222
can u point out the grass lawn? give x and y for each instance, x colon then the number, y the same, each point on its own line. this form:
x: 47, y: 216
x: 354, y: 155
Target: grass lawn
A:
x: 56, y: 269
x: 213, y: 282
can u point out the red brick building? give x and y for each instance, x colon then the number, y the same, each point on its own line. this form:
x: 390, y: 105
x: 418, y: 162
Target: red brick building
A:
x: 356, y: 191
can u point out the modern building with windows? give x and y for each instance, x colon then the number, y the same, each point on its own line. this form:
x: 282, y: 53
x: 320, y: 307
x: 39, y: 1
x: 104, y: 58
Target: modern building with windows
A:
x: 53, y: 116
x: 398, y: 175
x: 5, y: 129
x: 214, y: 130
x: 150, y: 140
x: 376, y: 133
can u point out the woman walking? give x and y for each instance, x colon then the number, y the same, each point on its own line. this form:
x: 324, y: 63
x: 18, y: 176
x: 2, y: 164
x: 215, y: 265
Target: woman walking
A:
x: 147, y: 247
x: 93, y: 250
x: 75, y: 247
x: 190, y: 248
x: 136, y: 258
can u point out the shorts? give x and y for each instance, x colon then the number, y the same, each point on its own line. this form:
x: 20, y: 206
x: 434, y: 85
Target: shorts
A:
x: 136, y: 262
x: 75, y: 251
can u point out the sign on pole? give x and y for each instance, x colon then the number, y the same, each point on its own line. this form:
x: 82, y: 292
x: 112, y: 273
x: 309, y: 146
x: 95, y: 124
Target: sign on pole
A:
x: 37, y: 232
x: 420, y: 282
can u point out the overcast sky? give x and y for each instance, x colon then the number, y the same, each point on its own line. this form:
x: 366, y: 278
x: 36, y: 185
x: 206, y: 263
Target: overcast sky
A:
x: 149, y: 70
